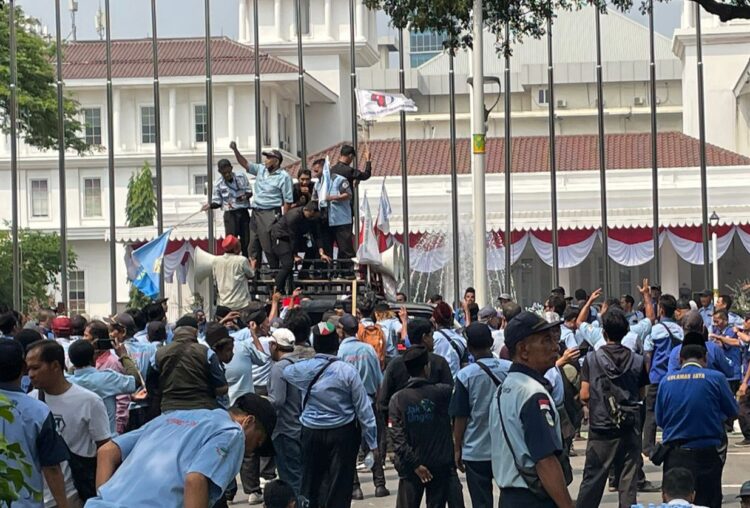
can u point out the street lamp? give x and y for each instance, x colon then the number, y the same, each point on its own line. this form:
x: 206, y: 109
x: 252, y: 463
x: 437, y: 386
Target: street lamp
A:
x: 714, y: 221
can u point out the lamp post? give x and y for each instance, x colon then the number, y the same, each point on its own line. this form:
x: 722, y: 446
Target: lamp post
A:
x: 714, y: 220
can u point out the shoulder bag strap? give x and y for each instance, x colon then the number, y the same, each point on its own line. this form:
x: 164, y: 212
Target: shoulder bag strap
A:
x: 505, y: 434
x: 489, y: 373
x: 672, y: 339
x: 41, y: 396
x: 453, y: 344
x: 315, y: 380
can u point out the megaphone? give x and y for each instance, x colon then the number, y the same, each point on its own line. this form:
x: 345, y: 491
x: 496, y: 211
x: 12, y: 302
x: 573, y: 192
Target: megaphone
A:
x: 204, y: 264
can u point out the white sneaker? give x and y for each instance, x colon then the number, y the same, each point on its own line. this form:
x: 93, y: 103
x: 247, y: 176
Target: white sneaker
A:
x: 255, y: 498
x: 361, y: 466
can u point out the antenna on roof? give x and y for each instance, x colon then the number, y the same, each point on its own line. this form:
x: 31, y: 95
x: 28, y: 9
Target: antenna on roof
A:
x: 100, y: 23
x: 73, y: 7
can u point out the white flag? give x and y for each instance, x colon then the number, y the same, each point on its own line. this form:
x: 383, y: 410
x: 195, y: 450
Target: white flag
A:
x: 383, y: 222
x: 324, y: 185
x: 367, y: 252
x: 372, y: 105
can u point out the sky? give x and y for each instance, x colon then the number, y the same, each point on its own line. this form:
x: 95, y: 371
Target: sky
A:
x: 132, y: 18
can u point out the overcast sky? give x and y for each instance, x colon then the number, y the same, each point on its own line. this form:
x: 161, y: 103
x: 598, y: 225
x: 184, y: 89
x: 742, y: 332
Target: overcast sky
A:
x: 184, y: 18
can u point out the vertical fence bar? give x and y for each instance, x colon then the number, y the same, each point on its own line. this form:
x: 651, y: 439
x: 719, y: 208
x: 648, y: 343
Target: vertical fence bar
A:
x: 14, y: 157
x: 654, y: 154
x: 111, y: 163
x: 404, y: 170
x: 301, y: 77
x: 256, y: 50
x: 702, y: 139
x: 61, y: 161
x: 508, y: 162
x: 602, y: 154
x: 454, y: 179
x: 157, y: 144
x: 552, y: 156
x: 209, y: 139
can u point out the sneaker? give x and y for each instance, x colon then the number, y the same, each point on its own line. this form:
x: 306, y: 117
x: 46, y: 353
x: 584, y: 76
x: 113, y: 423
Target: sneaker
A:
x: 255, y: 498
x: 361, y: 466
x: 648, y: 486
x: 382, y: 492
x: 743, y: 443
x: 357, y: 494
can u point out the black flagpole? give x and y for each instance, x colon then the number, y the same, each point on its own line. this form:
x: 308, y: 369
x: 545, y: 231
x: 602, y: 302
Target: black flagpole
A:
x: 209, y: 138
x: 404, y: 170
x: 353, y: 98
x: 157, y: 145
x: 702, y: 139
x: 256, y: 50
x: 14, y: 157
x: 552, y: 156
x: 654, y: 159
x: 454, y: 179
x: 602, y: 156
x: 301, y: 77
x: 508, y: 161
x: 110, y: 164
x: 61, y: 163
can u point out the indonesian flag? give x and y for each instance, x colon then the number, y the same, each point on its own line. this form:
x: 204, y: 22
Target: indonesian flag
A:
x: 372, y: 105
x: 367, y: 253
x: 382, y: 223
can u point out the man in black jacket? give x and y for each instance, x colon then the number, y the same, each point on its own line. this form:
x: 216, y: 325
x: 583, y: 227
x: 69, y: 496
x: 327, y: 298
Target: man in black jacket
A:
x: 420, y: 433
x: 343, y: 166
x: 287, y: 239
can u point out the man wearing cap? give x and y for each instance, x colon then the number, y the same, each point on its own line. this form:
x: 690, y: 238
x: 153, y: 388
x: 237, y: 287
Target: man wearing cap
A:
x: 61, y: 328
x: 336, y: 213
x: 344, y: 166
x: 524, y: 423
x: 420, y: 432
x: 490, y: 317
x: 470, y: 407
x: 336, y: 414
x: 744, y: 495
x: 691, y: 408
x: 706, y: 306
x: 272, y: 193
x: 232, y: 194
x: 231, y: 272
x: 199, y: 453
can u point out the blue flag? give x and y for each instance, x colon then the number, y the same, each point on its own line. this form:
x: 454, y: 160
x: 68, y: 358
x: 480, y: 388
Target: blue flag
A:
x: 149, y: 257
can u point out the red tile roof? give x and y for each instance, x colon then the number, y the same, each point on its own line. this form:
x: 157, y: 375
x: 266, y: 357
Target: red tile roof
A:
x: 531, y: 154
x: 177, y: 57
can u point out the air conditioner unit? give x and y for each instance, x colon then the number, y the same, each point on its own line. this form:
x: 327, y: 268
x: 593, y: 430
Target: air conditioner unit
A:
x: 562, y: 103
x: 639, y: 101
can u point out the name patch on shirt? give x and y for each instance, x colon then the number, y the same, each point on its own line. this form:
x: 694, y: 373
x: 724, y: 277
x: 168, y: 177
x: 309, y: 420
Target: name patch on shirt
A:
x: 695, y: 375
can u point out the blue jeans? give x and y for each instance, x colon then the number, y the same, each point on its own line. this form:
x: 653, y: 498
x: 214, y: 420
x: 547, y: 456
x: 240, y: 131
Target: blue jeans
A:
x: 289, y: 460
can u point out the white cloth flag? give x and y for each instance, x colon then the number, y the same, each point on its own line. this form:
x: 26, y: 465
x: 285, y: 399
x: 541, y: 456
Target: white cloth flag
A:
x: 383, y: 222
x: 367, y: 253
x: 372, y: 105
x: 325, y: 185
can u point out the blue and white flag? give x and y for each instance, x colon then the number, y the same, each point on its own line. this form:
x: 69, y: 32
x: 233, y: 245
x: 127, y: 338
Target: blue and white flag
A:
x: 324, y: 185
x: 148, y: 260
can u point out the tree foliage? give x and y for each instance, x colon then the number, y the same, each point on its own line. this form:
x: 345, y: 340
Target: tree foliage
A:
x: 525, y: 18
x: 140, y: 210
x: 40, y: 265
x: 36, y: 91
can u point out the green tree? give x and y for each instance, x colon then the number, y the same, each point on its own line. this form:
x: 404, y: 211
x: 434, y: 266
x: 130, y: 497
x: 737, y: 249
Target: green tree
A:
x: 40, y: 265
x: 526, y: 18
x: 14, y: 468
x: 140, y: 210
x: 36, y: 92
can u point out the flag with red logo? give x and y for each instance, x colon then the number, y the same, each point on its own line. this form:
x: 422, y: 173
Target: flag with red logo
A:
x: 382, y: 223
x: 372, y: 105
x: 367, y: 252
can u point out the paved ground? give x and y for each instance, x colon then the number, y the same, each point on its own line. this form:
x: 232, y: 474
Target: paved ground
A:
x: 736, y: 471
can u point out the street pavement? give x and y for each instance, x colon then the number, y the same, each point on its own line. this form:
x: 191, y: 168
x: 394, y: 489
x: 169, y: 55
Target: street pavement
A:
x: 736, y: 471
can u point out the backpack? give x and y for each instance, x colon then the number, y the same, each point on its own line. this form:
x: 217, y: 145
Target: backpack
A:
x: 374, y: 336
x: 624, y: 413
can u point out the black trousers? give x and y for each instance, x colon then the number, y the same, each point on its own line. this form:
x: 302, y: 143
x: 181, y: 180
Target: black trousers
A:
x: 707, y: 468
x: 622, y: 452
x: 237, y: 223
x: 649, y: 421
x: 253, y: 469
x: 260, y: 235
x: 744, y: 416
x: 441, y: 491
x: 343, y: 236
x: 329, y: 459
x: 479, y: 482
x: 284, y: 277
x: 515, y: 498
x: 378, y: 475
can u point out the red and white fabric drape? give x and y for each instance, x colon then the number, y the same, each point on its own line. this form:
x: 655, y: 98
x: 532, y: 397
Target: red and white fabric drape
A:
x: 574, y: 245
x: 632, y: 246
x: 688, y: 241
x: 496, y: 248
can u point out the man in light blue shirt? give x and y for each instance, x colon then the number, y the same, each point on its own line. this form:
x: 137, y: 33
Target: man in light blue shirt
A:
x: 333, y: 397
x: 107, y: 383
x: 448, y: 342
x: 199, y: 453
x: 707, y: 307
x: 272, y: 193
x: 470, y: 407
x: 724, y: 303
x: 391, y: 326
x: 633, y: 315
x: 336, y: 210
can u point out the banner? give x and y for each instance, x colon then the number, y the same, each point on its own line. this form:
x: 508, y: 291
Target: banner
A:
x: 372, y: 105
x: 382, y: 223
x: 367, y: 253
x: 148, y: 260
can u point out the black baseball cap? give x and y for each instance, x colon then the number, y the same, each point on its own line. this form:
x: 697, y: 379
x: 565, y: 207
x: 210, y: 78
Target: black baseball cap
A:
x: 524, y: 325
x: 275, y: 154
x: 215, y: 333
x: 744, y: 490
x: 264, y: 413
x: 478, y: 335
x: 706, y: 292
x: 156, y: 331
x: 223, y: 163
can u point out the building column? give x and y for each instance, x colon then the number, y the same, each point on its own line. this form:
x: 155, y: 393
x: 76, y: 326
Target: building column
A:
x: 243, y: 35
x: 277, y: 19
x: 292, y: 128
x: 116, y: 117
x: 173, y: 117
x: 230, y: 112
x: 273, y: 121
x: 328, y: 16
x: 360, y: 19
x: 670, y: 273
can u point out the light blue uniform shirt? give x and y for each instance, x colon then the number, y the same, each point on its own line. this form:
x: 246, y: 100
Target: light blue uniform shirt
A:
x: 558, y: 389
x: 634, y: 317
x: 568, y: 337
x: 362, y: 357
x: 339, y: 212
x: 232, y: 195
x: 707, y: 315
x: 633, y: 340
x: 158, y: 457
x: 444, y: 348
x: 141, y: 353
x: 337, y: 397
x: 591, y: 333
x: 472, y: 396
x: 271, y: 190
x: 239, y: 372
x: 107, y: 384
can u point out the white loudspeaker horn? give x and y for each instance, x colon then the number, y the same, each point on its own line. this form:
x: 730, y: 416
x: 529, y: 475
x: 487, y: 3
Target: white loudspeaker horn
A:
x: 204, y: 264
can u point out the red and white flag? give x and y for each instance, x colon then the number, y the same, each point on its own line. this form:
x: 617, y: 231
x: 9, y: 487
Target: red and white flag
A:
x: 382, y: 223
x: 372, y: 105
x: 368, y: 252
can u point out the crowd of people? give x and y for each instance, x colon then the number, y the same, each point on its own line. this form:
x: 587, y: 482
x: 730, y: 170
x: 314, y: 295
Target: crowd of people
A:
x: 132, y: 410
